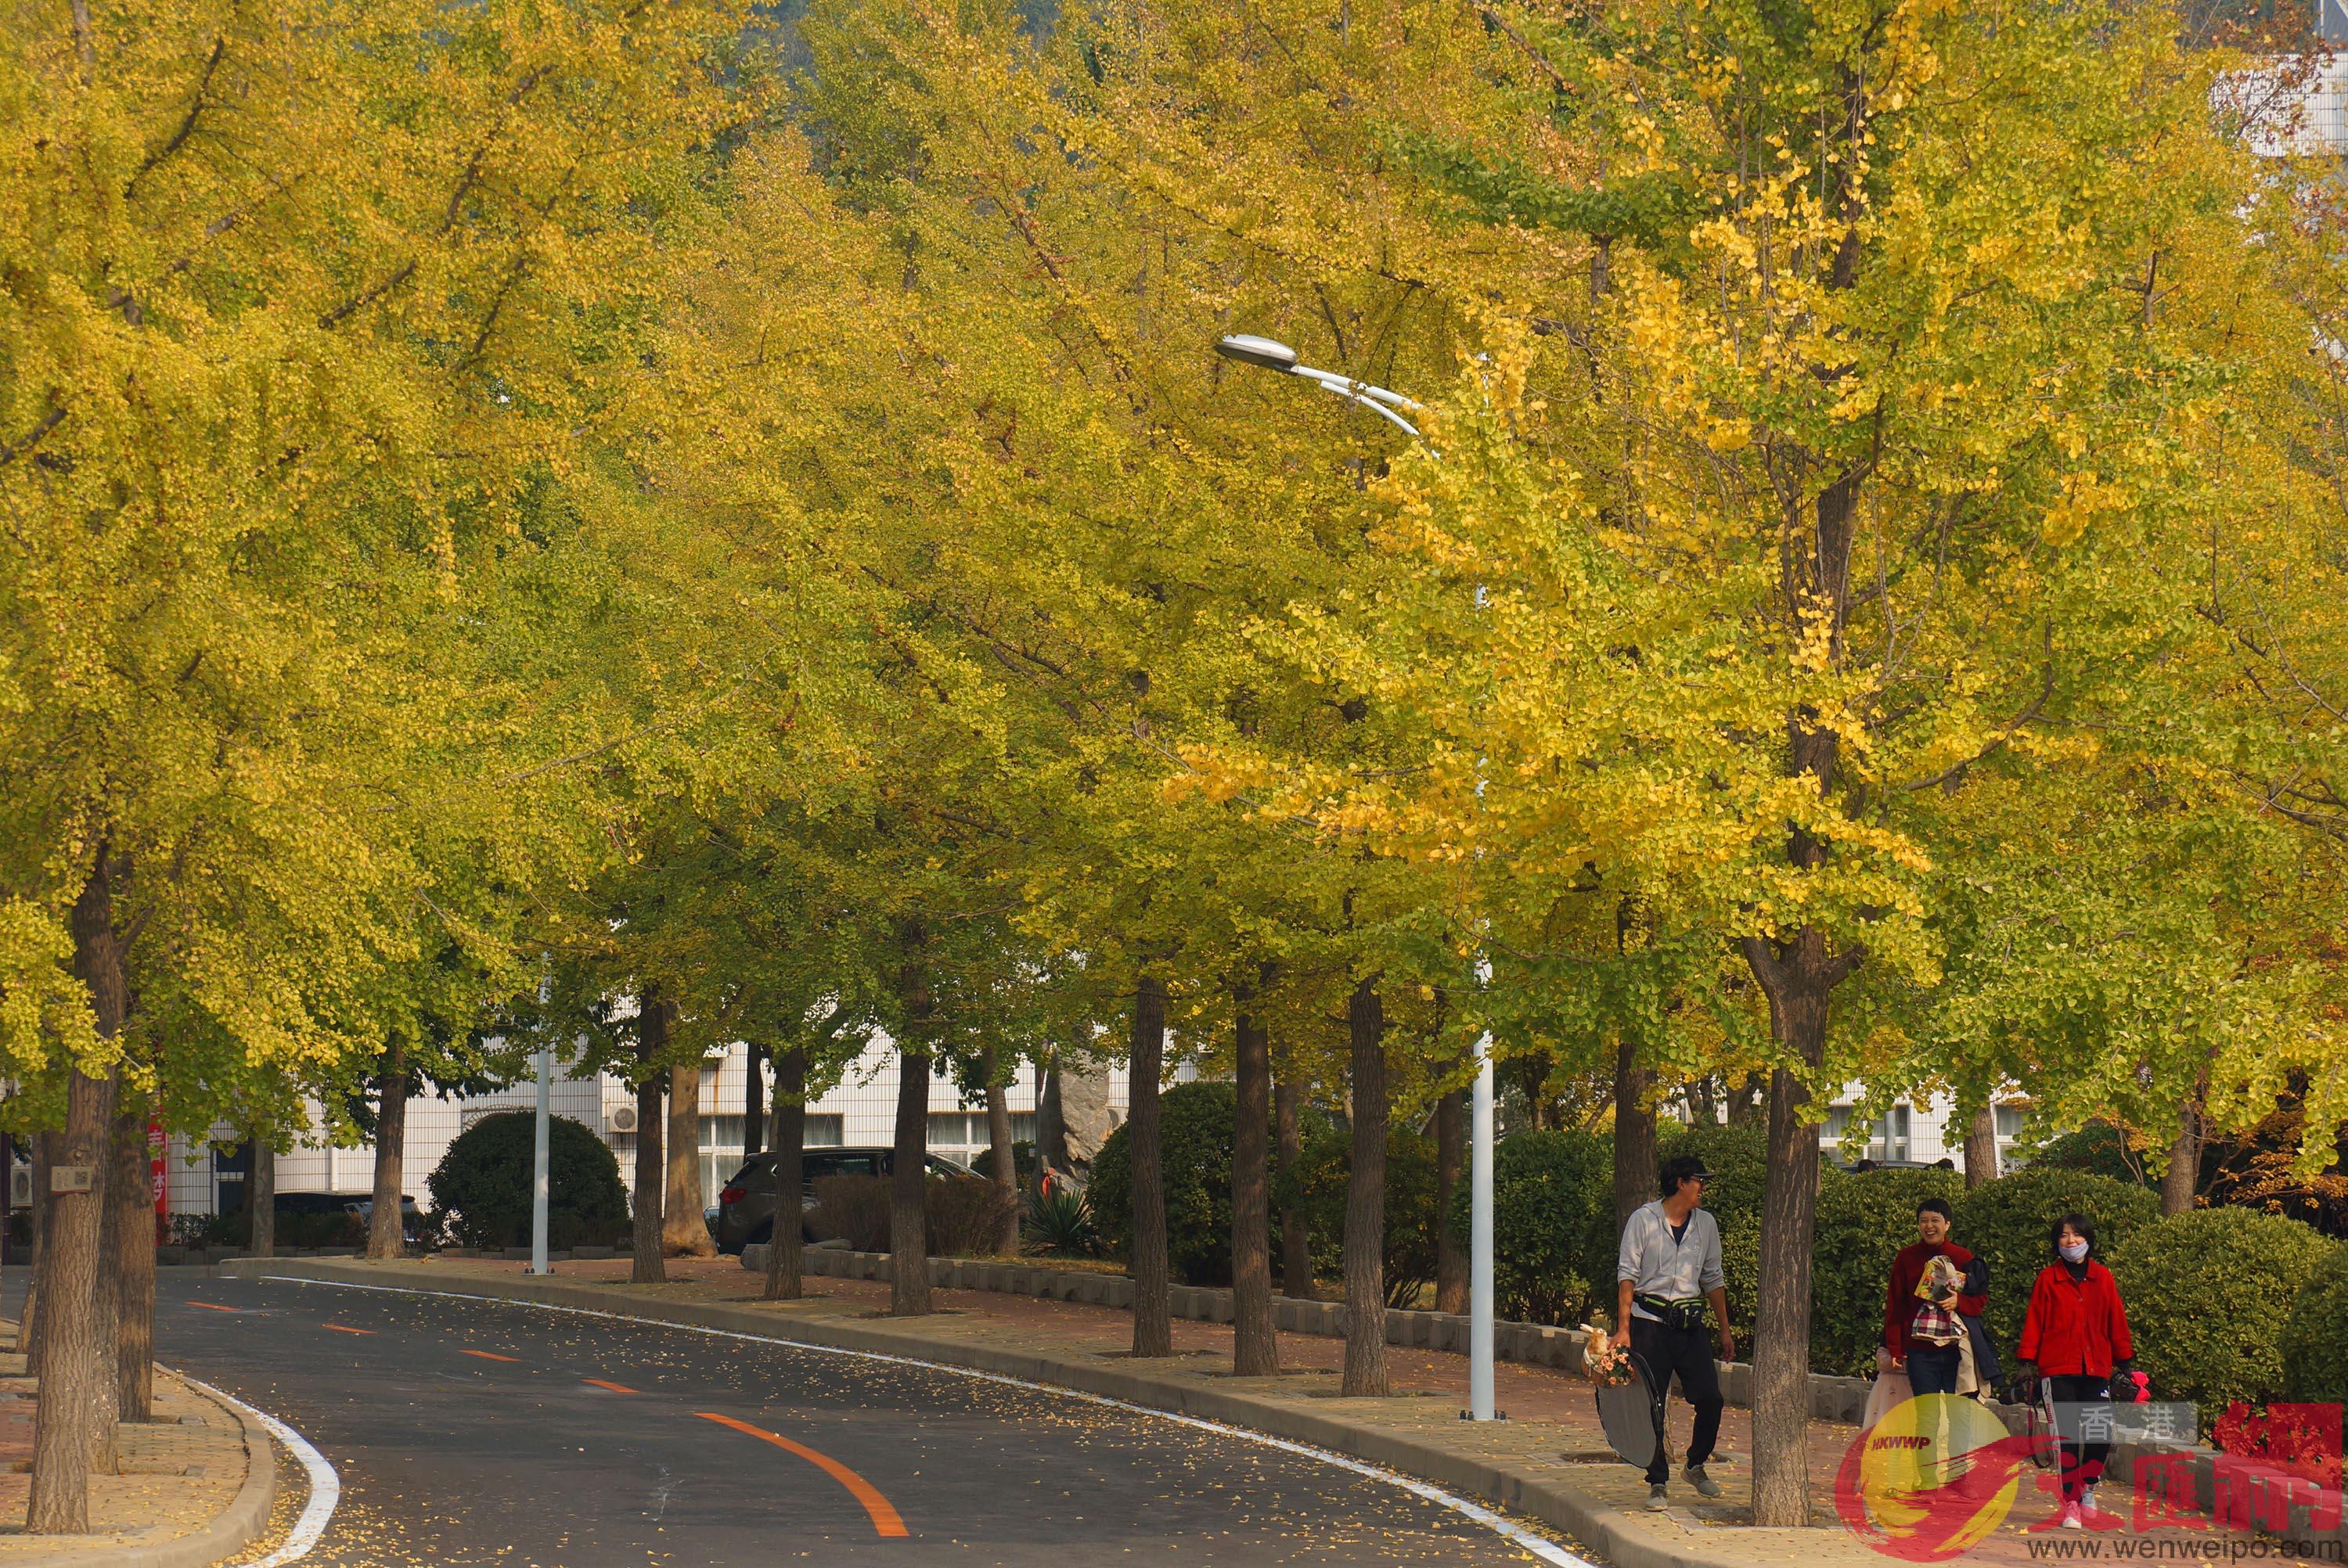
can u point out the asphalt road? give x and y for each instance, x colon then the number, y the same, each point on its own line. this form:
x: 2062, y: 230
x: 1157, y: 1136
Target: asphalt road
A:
x: 479, y: 1433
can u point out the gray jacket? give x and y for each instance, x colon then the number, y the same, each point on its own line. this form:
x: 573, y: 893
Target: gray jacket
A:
x: 1687, y: 1269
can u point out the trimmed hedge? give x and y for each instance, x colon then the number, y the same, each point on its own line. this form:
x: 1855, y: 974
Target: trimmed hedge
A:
x: 2315, y: 1335
x: 1196, y: 1122
x: 1864, y: 1219
x: 483, y: 1184
x: 1553, y: 1240
x: 2006, y: 1221
x: 2209, y: 1294
x: 1317, y: 1188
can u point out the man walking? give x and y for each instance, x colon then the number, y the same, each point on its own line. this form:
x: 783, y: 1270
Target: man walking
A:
x: 1668, y: 1266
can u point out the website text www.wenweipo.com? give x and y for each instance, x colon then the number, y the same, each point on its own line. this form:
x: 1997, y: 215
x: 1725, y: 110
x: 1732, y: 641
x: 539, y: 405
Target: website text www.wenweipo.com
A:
x: 2172, y: 1548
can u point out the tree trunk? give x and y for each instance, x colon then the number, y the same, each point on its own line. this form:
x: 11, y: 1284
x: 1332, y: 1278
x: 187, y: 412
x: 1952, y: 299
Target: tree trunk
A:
x: 1799, y: 984
x: 684, y: 1229
x: 1450, y: 1155
x: 754, y: 1101
x: 44, y: 1149
x: 1366, y: 1200
x: 1255, y: 1351
x: 1295, y: 1239
x: 909, y: 1190
x: 384, y: 1238
x: 2183, y: 1177
x: 133, y: 1204
x: 105, y: 1456
x: 260, y: 1200
x: 74, y: 1368
x: 1003, y: 1158
x: 1635, y: 1172
x: 783, y: 1260
x: 1153, y: 1300
x: 652, y: 1045
x: 1980, y: 1146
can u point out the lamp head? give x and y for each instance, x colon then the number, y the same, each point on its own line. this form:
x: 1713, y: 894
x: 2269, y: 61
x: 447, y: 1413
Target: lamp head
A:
x: 1258, y: 350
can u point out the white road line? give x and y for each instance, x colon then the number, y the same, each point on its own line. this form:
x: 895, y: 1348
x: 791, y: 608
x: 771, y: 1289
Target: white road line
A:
x: 1515, y: 1535
x: 326, y: 1486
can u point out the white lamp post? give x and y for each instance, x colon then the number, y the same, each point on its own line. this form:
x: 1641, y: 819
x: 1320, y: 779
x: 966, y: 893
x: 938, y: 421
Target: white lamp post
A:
x: 1268, y: 354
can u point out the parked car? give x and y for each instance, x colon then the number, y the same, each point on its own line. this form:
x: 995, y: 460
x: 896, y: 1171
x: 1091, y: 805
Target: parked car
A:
x: 746, y: 1207
x: 412, y: 1228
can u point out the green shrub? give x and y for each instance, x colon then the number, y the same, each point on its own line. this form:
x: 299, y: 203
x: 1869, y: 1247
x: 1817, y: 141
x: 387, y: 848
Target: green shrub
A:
x: 1553, y: 1237
x: 483, y: 1184
x: 1060, y: 1221
x: 1195, y: 1133
x: 1738, y: 1158
x: 2099, y: 1148
x: 1317, y: 1188
x: 1022, y: 1162
x: 2315, y: 1335
x: 857, y: 1210
x: 2208, y: 1295
x: 1864, y: 1219
x: 2006, y: 1222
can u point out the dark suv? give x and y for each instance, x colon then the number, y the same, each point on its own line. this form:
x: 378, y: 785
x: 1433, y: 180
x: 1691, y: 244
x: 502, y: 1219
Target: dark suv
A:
x: 745, y: 1208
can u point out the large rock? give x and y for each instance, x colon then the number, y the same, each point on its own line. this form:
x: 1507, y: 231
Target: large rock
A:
x: 1085, y: 1115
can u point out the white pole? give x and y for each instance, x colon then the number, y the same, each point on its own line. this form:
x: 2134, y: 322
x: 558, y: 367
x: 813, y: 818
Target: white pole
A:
x: 1479, y: 1241
x: 538, y: 1264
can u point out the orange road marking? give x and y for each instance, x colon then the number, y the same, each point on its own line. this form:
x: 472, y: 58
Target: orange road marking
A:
x: 488, y: 1356
x: 340, y: 1329
x: 885, y: 1519
x: 210, y: 1307
x: 615, y: 1388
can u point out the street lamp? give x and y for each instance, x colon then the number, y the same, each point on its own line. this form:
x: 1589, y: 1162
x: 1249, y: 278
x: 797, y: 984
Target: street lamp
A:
x: 1268, y: 353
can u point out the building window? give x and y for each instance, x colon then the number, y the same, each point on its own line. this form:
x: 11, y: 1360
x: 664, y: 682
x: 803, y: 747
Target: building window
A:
x: 2008, y: 1121
x: 1886, y: 1139
x: 961, y: 1133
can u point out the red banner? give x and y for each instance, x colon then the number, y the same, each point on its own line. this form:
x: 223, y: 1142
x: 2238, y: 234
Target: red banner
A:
x: 160, y: 1179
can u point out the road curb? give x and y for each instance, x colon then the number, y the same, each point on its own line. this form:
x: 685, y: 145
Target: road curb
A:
x: 1627, y: 1539
x: 232, y: 1530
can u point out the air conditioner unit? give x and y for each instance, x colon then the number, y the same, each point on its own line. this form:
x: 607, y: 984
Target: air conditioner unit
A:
x: 624, y: 1118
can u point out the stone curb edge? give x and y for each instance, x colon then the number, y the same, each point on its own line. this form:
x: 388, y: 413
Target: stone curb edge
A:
x: 1629, y: 1541
x: 232, y: 1530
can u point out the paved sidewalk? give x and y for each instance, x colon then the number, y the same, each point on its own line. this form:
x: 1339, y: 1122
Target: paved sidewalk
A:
x: 182, y: 1496
x: 1547, y: 1463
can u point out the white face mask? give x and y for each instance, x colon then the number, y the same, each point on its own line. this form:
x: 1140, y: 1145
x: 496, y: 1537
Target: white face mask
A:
x: 2072, y: 1251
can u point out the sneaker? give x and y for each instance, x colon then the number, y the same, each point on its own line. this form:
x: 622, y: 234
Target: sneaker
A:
x: 1704, y: 1485
x: 1656, y: 1501
x: 2071, y: 1519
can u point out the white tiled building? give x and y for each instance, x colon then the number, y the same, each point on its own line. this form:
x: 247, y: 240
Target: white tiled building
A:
x: 862, y: 1111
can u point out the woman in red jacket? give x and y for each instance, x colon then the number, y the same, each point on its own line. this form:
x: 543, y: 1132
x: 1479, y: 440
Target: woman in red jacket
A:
x: 2077, y: 1334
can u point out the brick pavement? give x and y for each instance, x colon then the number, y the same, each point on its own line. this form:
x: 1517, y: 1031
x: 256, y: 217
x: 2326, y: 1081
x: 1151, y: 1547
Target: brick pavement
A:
x: 179, y: 1473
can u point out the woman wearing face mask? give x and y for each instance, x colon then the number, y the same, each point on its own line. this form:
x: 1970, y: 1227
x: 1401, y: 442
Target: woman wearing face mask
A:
x: 2077, y: 1334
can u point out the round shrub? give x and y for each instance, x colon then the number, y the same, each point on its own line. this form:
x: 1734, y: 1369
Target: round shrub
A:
x: 1195, y: 1133
x: 483, y: 1184
x: 2315, y: 1335
x: 2006, y: 1220
x: 2207, y: 1295
x: 1738, y: 1158
x: 1864, y: 1219
x: 1553, y: 1240
x: 1022, y: 1163
x: 1317, y: 1188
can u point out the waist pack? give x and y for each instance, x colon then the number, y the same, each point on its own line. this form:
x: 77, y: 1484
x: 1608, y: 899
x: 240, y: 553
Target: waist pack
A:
x: 1685, y: 1315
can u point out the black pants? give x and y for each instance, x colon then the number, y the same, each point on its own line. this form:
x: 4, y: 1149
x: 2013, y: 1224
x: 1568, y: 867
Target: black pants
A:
x: 1687, y: 1353
x: 2083, y: 1462
x: 1932, y: 1369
